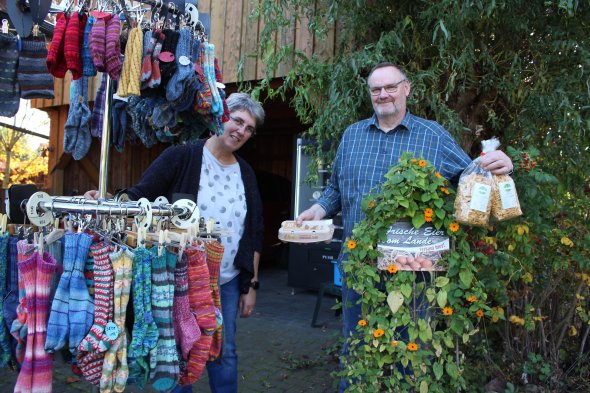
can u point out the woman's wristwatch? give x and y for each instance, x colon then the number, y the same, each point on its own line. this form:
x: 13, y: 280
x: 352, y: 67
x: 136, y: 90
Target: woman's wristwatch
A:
x: 254, y: 285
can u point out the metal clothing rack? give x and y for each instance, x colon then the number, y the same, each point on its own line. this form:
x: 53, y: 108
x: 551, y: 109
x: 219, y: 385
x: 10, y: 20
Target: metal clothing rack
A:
x: 43, y: 209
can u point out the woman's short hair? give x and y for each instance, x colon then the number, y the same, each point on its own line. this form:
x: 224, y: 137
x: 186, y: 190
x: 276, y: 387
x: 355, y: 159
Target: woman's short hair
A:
x: 243, y: 101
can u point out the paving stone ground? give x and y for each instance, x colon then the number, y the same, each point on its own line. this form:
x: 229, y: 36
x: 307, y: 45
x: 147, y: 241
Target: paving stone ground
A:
x: 278, y: 350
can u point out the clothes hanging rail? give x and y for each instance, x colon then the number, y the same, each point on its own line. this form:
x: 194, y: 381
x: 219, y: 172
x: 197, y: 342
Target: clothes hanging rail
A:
x: 42, y: 209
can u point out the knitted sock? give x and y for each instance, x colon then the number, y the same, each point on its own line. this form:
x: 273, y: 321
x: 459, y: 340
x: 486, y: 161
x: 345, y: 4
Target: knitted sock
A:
x: 55, y: 250
x: 214, y: 255
x: 42, y: 361
x: 113, y: 47
x: 81, y: 309
x: 113, y: 358
x: 89, y: 274
x: 219, y: 78
x: 84, y: 139
x: 185, y: 324
x: 75, y: 112
x: 56, y: 61
x: 11, y: 300
x: 19, y: 325
x: 32, y: 75
x: 28, y: 271
x: 156, y: 76
x: 217, y: 106
x: 164, y: 375
x: 72, y: 46
x: 204, y: 95
x: 9, y: 90
x: 168, y: 68
x: 143, y: 326
x: 5, y: 351
x: 58, y: 324
x: 97, y: 339
x: 98, y: 110
x: 122, y: 372
x: 176, y: 85
x: 131, y: 73
x: 149, y: 42
x: 88, y: 68
x: 201, y: 304
x: 119, y: 124
x: 97, y: 41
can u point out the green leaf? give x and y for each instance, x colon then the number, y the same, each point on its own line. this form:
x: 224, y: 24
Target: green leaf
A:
x: 438, y: 370
x: 406, y: 290
x: 451, y: 370
x: 441, y: 298
x: 466, y: 276
x: 441, y: 281
x: 395, y: 300
x: 423, y: 387
x: 418, y: 220
x: 430, y: 294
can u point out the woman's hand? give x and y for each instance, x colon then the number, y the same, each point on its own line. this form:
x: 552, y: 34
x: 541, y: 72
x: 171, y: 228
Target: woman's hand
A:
x: 247, y: 303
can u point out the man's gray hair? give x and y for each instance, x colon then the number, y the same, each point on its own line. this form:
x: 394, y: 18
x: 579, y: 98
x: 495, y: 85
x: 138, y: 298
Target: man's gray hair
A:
x: 243, y: 101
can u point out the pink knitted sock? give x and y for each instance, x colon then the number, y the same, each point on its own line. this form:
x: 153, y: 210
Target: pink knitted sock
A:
x: 42, y: 361
x: 28, y: 270
x: 113, y: 47
x: 185, y: 325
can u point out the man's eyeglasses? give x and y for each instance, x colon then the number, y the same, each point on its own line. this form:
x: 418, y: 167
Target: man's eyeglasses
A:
x: 238, y: 121
x: 375, y: 91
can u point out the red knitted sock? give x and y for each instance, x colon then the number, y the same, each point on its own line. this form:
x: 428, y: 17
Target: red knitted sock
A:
x: 72, y: 47
x: 56, y: 62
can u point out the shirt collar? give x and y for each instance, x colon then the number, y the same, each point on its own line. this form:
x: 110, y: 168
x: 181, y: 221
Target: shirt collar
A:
x: 406, y: 122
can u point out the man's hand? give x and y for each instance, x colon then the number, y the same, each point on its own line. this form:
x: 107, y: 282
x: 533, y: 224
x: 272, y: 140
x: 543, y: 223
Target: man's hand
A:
x: 316, y: 212
x: 247, y: 303
x: 497, y: 162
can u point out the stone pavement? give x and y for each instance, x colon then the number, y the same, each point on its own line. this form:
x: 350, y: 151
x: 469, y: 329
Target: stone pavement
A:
x: 278, y: 350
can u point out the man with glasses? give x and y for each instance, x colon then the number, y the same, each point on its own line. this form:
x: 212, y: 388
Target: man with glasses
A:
x: 370, y: 147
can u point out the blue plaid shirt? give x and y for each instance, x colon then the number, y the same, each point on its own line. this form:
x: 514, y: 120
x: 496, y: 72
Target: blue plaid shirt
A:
x: 366, y: 154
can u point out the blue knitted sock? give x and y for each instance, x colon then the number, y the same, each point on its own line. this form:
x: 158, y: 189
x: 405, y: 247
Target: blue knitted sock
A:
x: 88, y: 68
x: 136, y: 352
x: 11, y: 301
x: 58, y: 324
x: 184, y: 69
x: 84, y: 139
x: 5, y: 351
x: 217, y: 107
x: 81, y: 312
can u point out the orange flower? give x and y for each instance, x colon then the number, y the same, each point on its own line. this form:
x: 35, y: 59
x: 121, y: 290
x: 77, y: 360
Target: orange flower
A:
x: 394, y: 343
x: 351, y: 244
x: 428, y: 212
x: 471, y: 299
x: 479, y: 313
x: 444, y: 191
x: 371, y: 205
x: 392, y: 269
x: 427, y: 218
x: 422, y: 163
x: 454, y: 227
x: 378, y: 333
x: 412, y: 347
x: 447, y: 311
x: 362, y: 322
x: 437, y: 174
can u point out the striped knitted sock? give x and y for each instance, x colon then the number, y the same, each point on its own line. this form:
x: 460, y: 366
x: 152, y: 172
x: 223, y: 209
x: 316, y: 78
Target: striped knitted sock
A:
x: 202, y: 306
x: 149, y: 42
x: 113, y: 358
x: 19, y: 325
x: 72, y: 46
x: 28, y: 271
x: 81, y: 311
x: 56, y: 61
x: 88, y: 68
x: 219, y: 78
x: 42, y: 361
x: 122, y: 372
x: 113, y: 47
x: 214, y: 255
x: 156, y: 76
x: 165, y: 374
x: 217, y: 107
x: 58, y: 324
x: 204, y: 95
x: 96, y: 42
x: 11, y: 300
x: 185, y: 325
x: 97, y: 339
x: 5, y: 352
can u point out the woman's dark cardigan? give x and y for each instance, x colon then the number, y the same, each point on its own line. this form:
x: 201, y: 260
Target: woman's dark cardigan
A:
x: 178, y: 171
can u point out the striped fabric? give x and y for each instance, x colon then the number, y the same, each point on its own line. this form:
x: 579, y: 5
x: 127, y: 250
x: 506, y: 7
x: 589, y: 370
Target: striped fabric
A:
x: 366, y: 154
